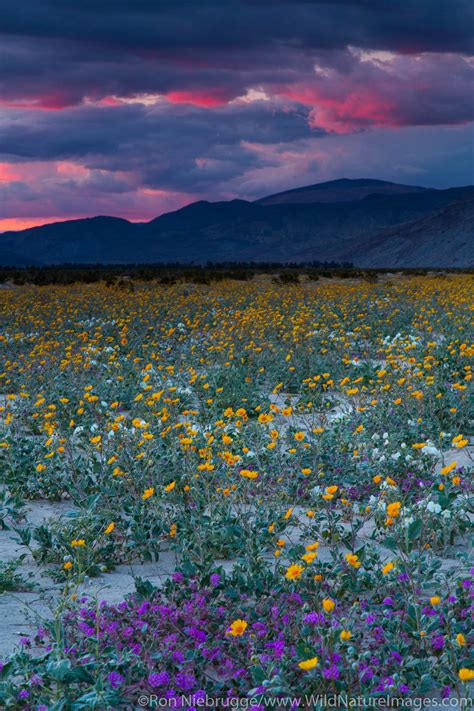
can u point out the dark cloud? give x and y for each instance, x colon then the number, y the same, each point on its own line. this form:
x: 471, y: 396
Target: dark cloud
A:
x: 195, y: 25
x: 58, y: 53
x: 171, y: 147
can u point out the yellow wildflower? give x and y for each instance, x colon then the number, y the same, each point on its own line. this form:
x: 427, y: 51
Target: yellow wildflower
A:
x: 237, y: 628
x: 308, y: 664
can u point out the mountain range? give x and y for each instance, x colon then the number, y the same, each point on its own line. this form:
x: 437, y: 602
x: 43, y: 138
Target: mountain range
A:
x: 371, y: 223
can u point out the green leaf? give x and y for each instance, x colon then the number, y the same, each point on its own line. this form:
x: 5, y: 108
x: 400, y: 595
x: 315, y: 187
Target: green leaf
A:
x: 59, y: 669
x: 414, y: 529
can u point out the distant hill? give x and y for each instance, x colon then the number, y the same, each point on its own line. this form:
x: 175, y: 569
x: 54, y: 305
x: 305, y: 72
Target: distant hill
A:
x: 343, y: 190
x: 366, y: 222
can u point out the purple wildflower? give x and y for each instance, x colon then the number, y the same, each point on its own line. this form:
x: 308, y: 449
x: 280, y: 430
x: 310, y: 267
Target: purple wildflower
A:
x: 331, y: 672
x: 35, y: 680
x: 115, y: 679
x: 185, y: 681
x: 159, y: 679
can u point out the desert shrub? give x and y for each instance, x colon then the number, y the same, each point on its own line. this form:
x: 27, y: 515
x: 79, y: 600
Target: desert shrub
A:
x: 288, y: 277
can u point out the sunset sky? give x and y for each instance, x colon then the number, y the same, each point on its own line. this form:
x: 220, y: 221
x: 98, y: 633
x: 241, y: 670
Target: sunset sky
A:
x: 134, y: 108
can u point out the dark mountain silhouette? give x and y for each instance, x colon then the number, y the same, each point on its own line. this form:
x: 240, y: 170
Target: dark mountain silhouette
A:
x: 342, y: 190
x: 366, y: 222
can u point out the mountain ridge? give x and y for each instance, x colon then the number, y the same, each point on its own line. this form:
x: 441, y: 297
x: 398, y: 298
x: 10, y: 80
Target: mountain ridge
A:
x: 361, y: 230
x: 340, y: 190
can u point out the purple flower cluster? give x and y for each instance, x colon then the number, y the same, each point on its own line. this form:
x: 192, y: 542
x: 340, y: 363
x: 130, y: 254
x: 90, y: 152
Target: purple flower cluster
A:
x: 178, y: 642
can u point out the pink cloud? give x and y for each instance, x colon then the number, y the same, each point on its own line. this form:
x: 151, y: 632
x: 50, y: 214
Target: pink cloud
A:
x: 346, y: 113
x: 54, y: 101
x: 8, y: 173
x: 206, y: 99
x: 389, y: 92
x: 109, y: 101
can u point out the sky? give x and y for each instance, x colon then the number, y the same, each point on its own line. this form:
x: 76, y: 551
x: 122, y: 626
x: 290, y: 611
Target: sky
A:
x: 132, y: 109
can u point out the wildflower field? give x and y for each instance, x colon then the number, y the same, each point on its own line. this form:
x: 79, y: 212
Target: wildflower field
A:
x: 298, y: 455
